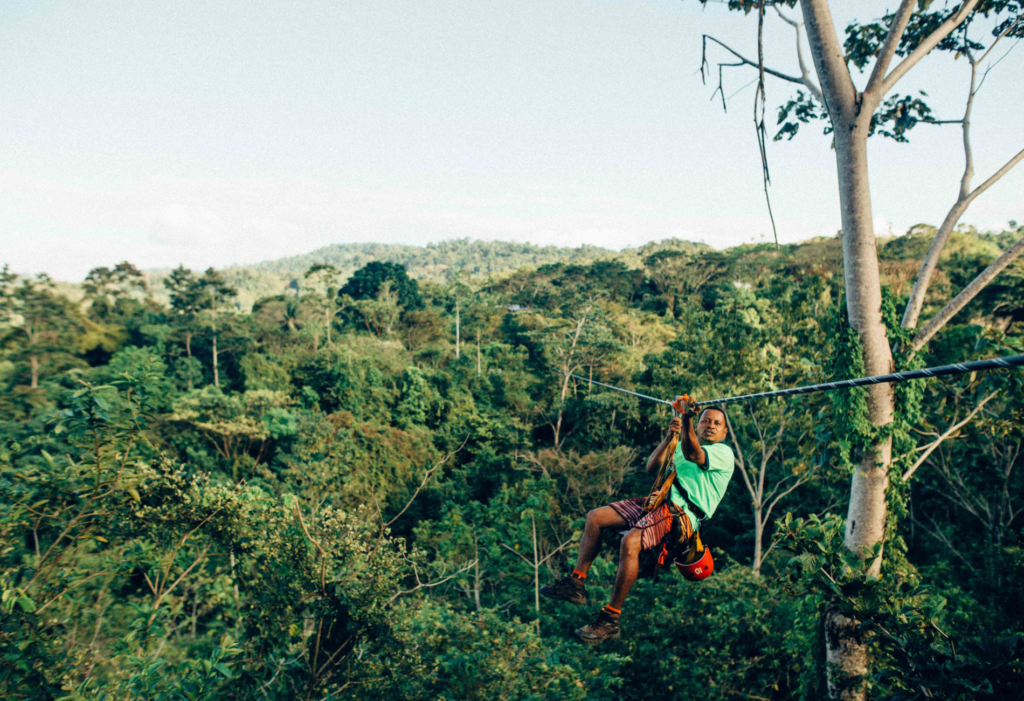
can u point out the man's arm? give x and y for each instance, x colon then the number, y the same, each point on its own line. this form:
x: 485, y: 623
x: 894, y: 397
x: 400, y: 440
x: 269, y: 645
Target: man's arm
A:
x: 691, y: 446
x: 660, y: 454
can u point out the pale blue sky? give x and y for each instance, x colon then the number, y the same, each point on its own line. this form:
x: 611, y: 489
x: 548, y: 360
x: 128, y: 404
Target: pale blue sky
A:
x: 212, y: 133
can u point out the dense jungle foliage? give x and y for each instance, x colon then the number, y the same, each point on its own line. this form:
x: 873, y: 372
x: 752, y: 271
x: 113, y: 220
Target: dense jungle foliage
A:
x: 354, y: 490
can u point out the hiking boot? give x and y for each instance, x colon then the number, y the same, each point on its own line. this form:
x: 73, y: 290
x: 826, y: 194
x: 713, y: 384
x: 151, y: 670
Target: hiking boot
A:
x: 571, y: 589
x: 605, y: 626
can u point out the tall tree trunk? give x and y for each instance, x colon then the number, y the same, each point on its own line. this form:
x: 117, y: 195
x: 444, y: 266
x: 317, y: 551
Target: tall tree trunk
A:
x: 33, y: 363
x: 865, y: 523
x: 536, y: 568
x: 456, y: 329
x: 476, y: 575
x: 216, y: 377
x: 567, y: 369
x: 188, y: 353
x: 758, y: 535
x: 850, y: 113
x: 845, y: 648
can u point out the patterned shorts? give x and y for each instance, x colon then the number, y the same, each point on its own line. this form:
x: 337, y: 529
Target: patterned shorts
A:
x: 654, y: 525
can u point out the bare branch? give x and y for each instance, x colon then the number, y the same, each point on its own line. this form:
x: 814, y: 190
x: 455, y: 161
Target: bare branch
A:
x: 1006, y: 31
x: 946, y: 434
x: 426, y: 478
x: 554, y: 552
x: 997, y: 175
x: 940, y: 536
x: 176, y: 582
x: 742, y: 462
x: 969, y: 292
x: 798, y: 483
x: 746, y: 61
x: 323, y: 555
x: 804, y: 73
x: 892, y: 41
x: 513, y: 550
x: 922, y: 50
x: 427, y: 585
x: 964, y: 199
x: 69, y: 588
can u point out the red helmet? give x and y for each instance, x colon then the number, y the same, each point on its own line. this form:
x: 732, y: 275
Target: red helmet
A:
x: 701, y: 569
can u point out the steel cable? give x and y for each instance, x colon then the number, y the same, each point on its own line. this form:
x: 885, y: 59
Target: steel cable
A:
x: 1009, y: 361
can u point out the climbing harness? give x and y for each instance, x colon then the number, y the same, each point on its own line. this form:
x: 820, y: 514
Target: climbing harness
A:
x: 1008, y: 361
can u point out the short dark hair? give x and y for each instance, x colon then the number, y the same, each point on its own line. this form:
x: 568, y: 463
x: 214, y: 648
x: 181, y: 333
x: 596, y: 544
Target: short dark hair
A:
x: 715, y: 408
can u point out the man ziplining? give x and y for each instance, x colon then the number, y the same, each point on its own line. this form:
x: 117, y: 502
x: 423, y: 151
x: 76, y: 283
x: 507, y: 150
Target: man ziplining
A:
x: 670, y: 518
x: 698, y: 476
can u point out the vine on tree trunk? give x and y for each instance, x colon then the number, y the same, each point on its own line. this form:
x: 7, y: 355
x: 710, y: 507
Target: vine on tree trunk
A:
x: 854, y: 432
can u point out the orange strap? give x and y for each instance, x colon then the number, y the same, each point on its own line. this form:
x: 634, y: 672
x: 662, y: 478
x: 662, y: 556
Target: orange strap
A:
x: 663, y: 487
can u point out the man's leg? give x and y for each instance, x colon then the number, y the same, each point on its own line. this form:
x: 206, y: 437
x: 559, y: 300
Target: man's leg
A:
x: 571, y: 588
x: 590, y: 543
x: 605, y: 625
x: 629, y: 567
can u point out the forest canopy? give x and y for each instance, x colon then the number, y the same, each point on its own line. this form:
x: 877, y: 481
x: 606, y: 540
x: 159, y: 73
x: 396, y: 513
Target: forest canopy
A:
x: 354, y: 489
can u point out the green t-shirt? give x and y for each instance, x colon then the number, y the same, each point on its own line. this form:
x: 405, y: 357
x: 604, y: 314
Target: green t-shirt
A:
x: 704, y: 485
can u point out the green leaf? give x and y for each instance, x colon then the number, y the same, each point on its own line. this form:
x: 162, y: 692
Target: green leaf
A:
x: 26, y: 604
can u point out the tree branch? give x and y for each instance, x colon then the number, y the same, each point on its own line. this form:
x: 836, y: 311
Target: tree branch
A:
x: 969, y: 292
x: 746, y: 61
x: 742, y: 461
x: 513, y: 550
x: 997, y: 175
x: 804, y: 73
x: 427, y: 585
x: 963, y: 201
x: 946, y: 434
x: 892, y: 41
x: 922, y: 50
x: 829, y: 62
x: 554, y: 552
x: 940, y: 536
x: 1003, y: 33
x: 426, y: 477
x: 795, y: 485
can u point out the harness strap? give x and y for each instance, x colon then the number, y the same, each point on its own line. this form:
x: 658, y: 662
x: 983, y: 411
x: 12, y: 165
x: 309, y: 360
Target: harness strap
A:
x: 663, y: 487
x: 697, y: 511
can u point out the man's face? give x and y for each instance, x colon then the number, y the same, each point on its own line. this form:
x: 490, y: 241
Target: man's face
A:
x: 711, y: 426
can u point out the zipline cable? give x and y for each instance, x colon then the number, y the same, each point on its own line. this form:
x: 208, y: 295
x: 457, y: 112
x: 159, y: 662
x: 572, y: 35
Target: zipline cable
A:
x: 1009, y: 361
x: 624, y: 391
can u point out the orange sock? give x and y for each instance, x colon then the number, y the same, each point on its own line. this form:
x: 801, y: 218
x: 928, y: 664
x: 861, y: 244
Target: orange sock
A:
x: 579, y: 575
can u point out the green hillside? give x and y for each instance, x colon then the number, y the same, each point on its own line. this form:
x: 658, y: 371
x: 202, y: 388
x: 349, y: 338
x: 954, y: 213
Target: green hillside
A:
x: 436, y: 262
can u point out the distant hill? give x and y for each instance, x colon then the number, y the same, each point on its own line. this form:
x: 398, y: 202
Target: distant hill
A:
x: 437, y: 262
